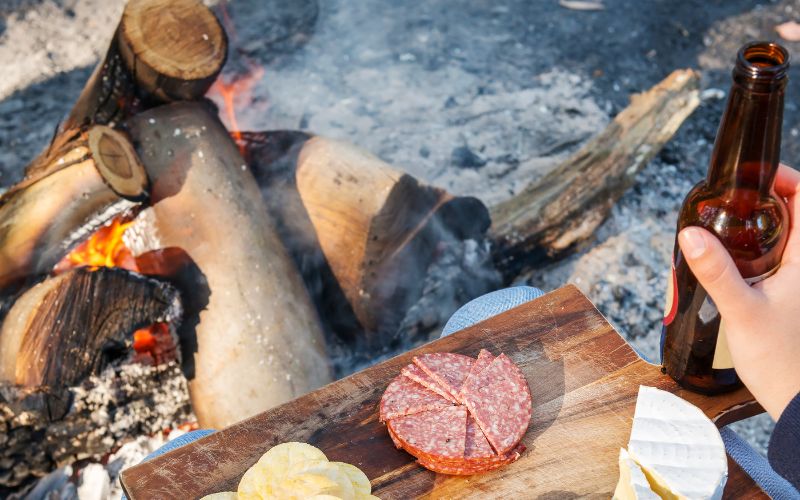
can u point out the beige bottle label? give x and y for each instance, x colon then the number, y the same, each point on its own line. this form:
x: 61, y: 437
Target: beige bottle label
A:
x: 722, y: 355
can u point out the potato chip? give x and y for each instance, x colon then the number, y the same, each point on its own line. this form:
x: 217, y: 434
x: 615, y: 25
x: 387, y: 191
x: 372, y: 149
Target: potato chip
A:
x: 358, y: 479
x: 259, y: 482
x: 344, y: 487
x: 301, y: 471
x: 223, y: 495
x: 302, y: 486
x: 284, y: 456
x: 255, y: 484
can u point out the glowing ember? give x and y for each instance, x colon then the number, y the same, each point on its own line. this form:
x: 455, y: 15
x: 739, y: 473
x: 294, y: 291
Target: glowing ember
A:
x: 105, y: 248
x: 154, y: 345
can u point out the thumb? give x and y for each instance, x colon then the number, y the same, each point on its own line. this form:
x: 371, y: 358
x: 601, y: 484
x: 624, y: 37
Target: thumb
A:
x: 715, y: 270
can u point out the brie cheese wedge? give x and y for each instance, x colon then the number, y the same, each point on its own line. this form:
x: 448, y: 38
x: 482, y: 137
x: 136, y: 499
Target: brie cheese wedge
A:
x: 632, y: 483
x: 679, y: 449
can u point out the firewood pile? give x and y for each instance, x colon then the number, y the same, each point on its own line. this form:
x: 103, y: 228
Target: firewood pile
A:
x: 155, y: 269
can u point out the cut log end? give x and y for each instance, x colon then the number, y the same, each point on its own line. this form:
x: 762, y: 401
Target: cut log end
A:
x: 117, y: 163
x: 176, y: 48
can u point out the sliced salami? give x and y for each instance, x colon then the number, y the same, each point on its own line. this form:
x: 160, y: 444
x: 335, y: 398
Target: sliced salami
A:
x: 416, y: 374
x: 440, y: 434
x: 467, y: 468
x: 406, y: 397
x: 448, y: 369
x: 485, y: 358
x: 475, y: 445
x: 500, y: 401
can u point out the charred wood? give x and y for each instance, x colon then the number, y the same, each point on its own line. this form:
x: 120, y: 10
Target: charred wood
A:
x: 552, y: 215
x: 75, y: 324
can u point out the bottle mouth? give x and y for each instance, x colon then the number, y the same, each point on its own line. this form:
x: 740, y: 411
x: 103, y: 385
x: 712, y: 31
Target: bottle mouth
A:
x: 762, y: 61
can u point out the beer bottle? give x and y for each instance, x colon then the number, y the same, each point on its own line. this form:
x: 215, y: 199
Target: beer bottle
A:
x: 737, y: 203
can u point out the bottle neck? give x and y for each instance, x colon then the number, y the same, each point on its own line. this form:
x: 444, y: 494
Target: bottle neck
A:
x: 748, y: 146
x: 747, y: 149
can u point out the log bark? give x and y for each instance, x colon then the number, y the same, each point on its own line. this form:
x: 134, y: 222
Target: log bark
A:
x: 552, y: 215
x: 258, y: 340
x: 90, y: 177
x: 120, y: 404
x: 344, y: 213
x: 162, y: 51
x: 73, y: 325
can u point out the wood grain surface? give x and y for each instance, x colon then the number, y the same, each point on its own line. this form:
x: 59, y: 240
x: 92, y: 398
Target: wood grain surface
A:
x: 584, y: 379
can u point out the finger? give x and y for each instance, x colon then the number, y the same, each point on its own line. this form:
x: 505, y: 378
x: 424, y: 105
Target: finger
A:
x: 787, y: 181
x: 787, y: 184
x: 715, y: 270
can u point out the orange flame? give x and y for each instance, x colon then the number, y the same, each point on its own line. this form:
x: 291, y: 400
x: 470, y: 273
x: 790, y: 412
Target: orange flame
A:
x: 105, y: 248
x: 235, y: 92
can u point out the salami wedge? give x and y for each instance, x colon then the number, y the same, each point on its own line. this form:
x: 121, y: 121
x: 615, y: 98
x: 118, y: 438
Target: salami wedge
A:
x: 500, y: 401
x: 447, y: 369
x: 475, y: 445
x: 485, y: 358
x: 440, y: 434
x: 406, y: 397
x: 416, y: 374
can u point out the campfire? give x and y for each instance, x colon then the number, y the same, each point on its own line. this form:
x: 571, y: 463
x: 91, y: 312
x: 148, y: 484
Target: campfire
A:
x: 158, y: 269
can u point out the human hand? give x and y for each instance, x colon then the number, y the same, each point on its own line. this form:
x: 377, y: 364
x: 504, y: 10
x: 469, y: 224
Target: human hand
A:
x: 762, y: 323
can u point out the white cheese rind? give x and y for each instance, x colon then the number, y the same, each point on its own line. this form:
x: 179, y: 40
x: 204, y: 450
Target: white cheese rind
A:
x: 677, y: 446
x: 632, y: 484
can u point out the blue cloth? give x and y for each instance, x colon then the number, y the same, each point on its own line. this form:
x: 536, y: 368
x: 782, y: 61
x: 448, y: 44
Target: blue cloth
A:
x: 784, y: 445
x: 491, y: 304
x: 494, y: 303
x: 176, y: 443
x: 757, y: 467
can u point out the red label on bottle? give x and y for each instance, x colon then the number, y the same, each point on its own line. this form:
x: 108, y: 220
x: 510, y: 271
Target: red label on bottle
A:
x: 671, y: 307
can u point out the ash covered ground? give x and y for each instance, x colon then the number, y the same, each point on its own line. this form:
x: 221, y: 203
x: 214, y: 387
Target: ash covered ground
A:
x: 477, y: 97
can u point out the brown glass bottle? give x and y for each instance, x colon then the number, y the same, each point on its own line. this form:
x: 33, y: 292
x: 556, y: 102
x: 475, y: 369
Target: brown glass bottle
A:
x: 738, y: 204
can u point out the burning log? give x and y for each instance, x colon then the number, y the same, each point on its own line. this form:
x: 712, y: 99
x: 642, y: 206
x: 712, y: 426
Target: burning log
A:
x: 73, y: 325
x: 75, y: 187
x: 162, y: 51
x: 553, y: 214
x: 258, y: 341
x: 121, y: 403
x: 343, y: 212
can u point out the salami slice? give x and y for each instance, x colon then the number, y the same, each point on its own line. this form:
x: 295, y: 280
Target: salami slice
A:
x: 475, y: 445
x: 406, y: 397
x: 440, y: 434
x: 448, y: 369
x: 416, y: 374
x: 485, y: 358
x: 467, y: 468
x: 500, y: 401
x: 396, y: 441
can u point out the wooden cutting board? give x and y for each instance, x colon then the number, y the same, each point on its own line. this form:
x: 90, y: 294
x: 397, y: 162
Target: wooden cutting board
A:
x: 584, y: 379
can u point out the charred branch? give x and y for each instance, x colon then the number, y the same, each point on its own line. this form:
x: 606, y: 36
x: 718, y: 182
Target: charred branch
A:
x: 553, y: 214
